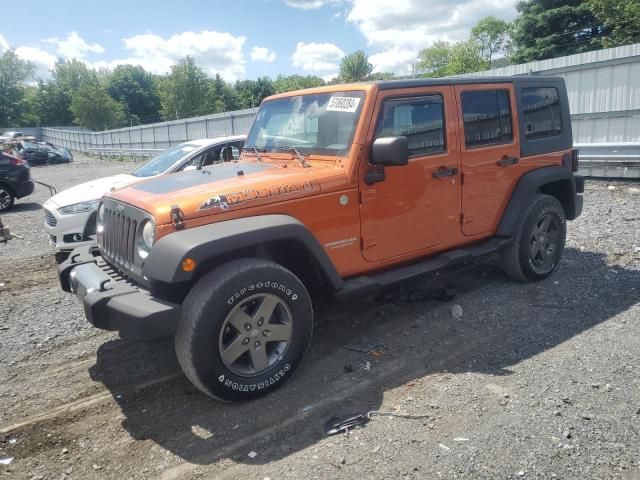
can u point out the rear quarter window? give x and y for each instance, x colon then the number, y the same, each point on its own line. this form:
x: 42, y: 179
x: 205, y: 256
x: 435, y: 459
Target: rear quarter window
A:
x: 541, y: 112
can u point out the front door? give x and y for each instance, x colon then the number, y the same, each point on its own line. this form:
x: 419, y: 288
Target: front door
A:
x: 415, y: 207
x: 490, y: 154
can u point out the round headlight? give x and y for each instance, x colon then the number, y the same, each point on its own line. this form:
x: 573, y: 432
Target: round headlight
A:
x: 147, y: 237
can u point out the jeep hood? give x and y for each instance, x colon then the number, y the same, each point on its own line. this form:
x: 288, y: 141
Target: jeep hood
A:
x: 220, y: 188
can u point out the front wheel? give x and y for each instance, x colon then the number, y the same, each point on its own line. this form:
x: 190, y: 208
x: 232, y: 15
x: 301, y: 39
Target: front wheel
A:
x: 539, y: 241
x: 244, y: 329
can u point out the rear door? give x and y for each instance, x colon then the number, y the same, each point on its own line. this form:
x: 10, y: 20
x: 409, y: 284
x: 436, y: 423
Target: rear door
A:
x: 490, y: 153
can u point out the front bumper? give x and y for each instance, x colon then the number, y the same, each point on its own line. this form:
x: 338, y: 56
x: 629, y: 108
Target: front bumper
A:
x: 62, y: 228
x: 113, y: 302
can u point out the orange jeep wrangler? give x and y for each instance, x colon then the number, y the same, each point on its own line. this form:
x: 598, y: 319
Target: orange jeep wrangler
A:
x: 345, y: 190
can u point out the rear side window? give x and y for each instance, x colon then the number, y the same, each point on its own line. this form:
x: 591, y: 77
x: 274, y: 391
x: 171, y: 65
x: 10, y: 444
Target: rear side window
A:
x: 420, y: 119
x: 541, y: 112
x: 487, y: 117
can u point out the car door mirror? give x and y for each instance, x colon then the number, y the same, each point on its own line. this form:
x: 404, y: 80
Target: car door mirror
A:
x: 390, y: 151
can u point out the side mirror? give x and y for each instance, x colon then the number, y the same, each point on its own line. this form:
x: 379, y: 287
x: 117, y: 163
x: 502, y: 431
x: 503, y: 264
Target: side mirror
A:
x: 390, y: 151
x: 189, y: 168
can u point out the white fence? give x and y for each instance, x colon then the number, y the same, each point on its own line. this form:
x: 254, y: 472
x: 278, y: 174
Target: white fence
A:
x: 156, y: 136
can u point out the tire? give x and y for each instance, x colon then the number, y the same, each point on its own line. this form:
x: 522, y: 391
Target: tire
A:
x: 7, y: 198
x: 539, y: 241
x: 238, y: 294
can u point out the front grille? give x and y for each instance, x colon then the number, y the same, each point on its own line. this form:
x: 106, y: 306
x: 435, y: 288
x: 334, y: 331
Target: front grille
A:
x: 50, y: 218
x: 118, y: 236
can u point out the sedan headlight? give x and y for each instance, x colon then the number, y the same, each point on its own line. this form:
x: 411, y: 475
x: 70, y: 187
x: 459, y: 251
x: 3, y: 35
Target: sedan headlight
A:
x: 146, y: 237
x: 81, y: 207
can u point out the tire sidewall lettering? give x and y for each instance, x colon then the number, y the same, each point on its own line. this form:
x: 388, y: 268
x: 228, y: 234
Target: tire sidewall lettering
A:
x: 278, y: 288
x: 247, y: 387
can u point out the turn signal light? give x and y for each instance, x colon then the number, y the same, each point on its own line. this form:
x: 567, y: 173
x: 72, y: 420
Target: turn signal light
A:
x: 188, y: 264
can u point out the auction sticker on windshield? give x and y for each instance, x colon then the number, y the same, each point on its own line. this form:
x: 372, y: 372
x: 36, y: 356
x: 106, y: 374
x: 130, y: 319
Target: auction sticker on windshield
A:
x: 343, y: 104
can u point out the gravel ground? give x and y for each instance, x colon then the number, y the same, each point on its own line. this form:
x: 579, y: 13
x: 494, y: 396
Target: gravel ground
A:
x: 533, y: 381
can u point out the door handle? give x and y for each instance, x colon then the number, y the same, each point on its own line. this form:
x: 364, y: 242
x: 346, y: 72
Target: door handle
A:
x: 443, y: 172
x: 506, y: 161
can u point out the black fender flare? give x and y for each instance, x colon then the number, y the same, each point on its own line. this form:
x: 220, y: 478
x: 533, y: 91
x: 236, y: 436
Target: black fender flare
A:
x: 526, y: 188
x: 200, y: 243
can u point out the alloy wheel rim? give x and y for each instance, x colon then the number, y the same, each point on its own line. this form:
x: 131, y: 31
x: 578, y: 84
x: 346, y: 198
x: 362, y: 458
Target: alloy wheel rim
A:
x: 544, y: 240
x: 255, y: 335
x: 5, y: 199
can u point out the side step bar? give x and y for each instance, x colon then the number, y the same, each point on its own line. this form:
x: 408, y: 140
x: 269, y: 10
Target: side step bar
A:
x: 368, y: 284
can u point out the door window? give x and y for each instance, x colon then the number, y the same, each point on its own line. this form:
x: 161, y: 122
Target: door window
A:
x: 420, y: 119
x: 487, y: 117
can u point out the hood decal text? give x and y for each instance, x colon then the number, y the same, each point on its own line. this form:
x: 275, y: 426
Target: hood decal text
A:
x: 227, y: 200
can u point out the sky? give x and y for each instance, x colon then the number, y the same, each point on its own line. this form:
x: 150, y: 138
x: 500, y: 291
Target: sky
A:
x: 240, y: 39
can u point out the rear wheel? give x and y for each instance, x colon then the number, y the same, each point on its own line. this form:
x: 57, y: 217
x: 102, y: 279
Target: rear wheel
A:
x: 6, y: 198
x: 538, y: 242
x: 245, y: 327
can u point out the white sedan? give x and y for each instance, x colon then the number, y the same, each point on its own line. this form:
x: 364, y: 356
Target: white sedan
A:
x: 70, y: 214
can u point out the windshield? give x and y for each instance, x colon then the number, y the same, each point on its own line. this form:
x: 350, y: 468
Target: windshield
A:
x: 322, y: 123
x: 162, y: 162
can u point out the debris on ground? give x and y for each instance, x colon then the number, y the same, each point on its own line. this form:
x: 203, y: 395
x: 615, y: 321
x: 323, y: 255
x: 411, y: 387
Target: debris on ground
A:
x: 456, y: 311
x: 364, y: 347
x: 345, y: 423
x: 252, y: 454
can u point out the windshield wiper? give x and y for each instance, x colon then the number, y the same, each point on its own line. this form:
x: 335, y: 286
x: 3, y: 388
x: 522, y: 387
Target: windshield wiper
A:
x: 254, y: 150
x: 299, y: 155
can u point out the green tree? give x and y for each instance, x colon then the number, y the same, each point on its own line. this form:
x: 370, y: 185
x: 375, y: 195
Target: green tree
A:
x: 183, y: 93
x: 554, y: 28
x: 252, y: 92
x: 29, y: 114
x: 492, y: 35
x: 355, y: 67
x: 53, y: 98
x: 14, y: 74
x: 222, y: 97
x: 443, y: 59
x: 466, y: 57
x: 381, y: 76
x: 434, y: 60
x: 95, y: 109
x: 620, y: 20
x: 288, y: 83
x: 134, y: 87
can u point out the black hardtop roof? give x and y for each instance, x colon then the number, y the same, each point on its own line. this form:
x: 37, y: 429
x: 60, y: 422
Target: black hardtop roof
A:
x: 431, y: 82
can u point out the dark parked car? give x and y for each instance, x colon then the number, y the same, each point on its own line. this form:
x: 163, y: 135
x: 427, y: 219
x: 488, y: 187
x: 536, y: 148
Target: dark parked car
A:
x: 42, y: 153
x: 15, y: 180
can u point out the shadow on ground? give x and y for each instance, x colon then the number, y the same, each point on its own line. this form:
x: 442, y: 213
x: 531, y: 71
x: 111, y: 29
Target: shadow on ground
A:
x: 25, y: 207
x: 504, y: 323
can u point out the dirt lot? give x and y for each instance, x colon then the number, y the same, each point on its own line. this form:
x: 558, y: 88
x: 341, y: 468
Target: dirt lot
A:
x: 533, y: 381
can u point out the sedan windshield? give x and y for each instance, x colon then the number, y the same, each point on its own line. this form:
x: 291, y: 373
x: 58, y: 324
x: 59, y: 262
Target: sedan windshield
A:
x: 162, y: 162
x: 322, y: 123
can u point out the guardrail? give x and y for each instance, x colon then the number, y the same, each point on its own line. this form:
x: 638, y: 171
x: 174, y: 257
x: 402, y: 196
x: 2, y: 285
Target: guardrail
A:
x: 126, y: 152
x: 609, y: 160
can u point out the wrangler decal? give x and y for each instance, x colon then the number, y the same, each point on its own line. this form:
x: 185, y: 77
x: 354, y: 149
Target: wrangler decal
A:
x: 228, y: 200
